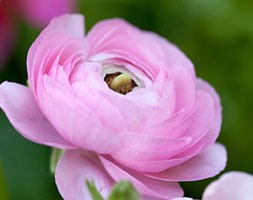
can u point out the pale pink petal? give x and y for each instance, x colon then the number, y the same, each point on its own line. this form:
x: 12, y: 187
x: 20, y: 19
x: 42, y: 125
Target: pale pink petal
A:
x: 146, y: 186
x: 213, y: 133
x: 138, y: 147
x: 201, y: 120
x: 199, y: 125
x: 195, y: 126
x: 143, y: 107
x: 56, y: 51
x: 74, y: 168
x: 39, y: 12
x: 115, y: 38
x: 186, y: 104
x: 207, y: 164
x: 66, y: 27
x: 155, y: 166
x: 19, y: 105
x: 107, y: 113
x: 150, y: 198
x: 232, y: 186
x: 184, y: 88
x: 74, y: 120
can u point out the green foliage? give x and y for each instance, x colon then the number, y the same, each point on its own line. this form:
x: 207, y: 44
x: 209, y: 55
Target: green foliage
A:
x: 124, y: 190
x: 54, y: 158
x: 93, y: 191
x: 3, y: 188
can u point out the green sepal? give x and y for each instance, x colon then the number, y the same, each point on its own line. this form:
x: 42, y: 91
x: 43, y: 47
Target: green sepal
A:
x: 56, y: 155
x: 124, y: 190
x: 93, y: 191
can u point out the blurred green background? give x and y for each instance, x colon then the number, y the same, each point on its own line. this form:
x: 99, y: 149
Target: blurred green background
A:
x: 217, y: 35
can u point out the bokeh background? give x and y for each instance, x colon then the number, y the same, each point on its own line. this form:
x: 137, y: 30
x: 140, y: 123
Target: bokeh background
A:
x: 217, y: 35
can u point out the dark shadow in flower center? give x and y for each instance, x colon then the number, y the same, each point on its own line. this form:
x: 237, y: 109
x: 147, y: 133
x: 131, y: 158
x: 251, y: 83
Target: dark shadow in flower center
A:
x: 120, y: 82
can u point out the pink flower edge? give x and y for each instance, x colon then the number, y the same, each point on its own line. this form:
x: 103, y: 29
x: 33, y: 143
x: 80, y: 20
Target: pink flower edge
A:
x: 231, y: 185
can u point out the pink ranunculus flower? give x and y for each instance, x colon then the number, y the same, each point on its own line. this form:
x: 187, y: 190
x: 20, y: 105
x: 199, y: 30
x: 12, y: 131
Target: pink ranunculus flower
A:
x: 124, y: 103
x: 232, y: 186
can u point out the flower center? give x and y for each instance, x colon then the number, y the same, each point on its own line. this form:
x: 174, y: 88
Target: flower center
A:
x: 120, y: 82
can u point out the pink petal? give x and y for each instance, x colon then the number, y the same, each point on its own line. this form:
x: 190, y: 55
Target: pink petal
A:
x: 140, y: 148
x: 207, y: 164
x: 116, y: 38
x: 55, y: 51
x: 74, y: 120
x: 184, y: 88
x: 195, y: 126
x: 19, y: 105
x: 40, y: 12
x: 146, y: 186
x: 74, y: 168
x: 232, y: 186
x: 110, y: 115
x: 155, y: 166
x: 143, y: 108
x: 213, y: 133
x: 201, y: 120
x: 66, y: 27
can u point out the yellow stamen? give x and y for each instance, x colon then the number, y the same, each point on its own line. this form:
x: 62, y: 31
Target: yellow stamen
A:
x: 120, y: 80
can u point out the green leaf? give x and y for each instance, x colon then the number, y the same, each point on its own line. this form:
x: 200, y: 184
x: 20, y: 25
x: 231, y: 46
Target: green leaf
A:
x: 93, y: 191
x: 54, y: 158
x: 124, y: 190
x: 3, y: 187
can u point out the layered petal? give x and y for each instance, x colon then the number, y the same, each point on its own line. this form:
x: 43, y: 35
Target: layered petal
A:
x: 214, y: 131
x: 207, y: 164
x: 138, y: 148
x: 74, y: 168
x: 74, y: 120
x: 232, y: 186
x: 146, y: 186
x: 115, y: 38
x: 19, y: 105
x: 65, y: 27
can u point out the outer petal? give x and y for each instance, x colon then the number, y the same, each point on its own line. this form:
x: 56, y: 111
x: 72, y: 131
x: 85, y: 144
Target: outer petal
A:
x: 19, y: 105
x: 40, y: 12
x: 74, y: 168
x: 71, y: 26
x: 232, y: 186
x: 205, y: 165
x: 147, y: 186
x: 195, y: 126
x: 138, y: 147
x: 213, y: 133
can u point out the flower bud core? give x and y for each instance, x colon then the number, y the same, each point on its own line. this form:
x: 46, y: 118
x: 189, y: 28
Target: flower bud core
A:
x: 120, y: 82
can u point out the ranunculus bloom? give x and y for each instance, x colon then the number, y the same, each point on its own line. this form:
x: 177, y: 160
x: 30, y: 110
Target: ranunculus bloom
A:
x: 125, y: 104
x: 36, y: 12
x: 232, y: 186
